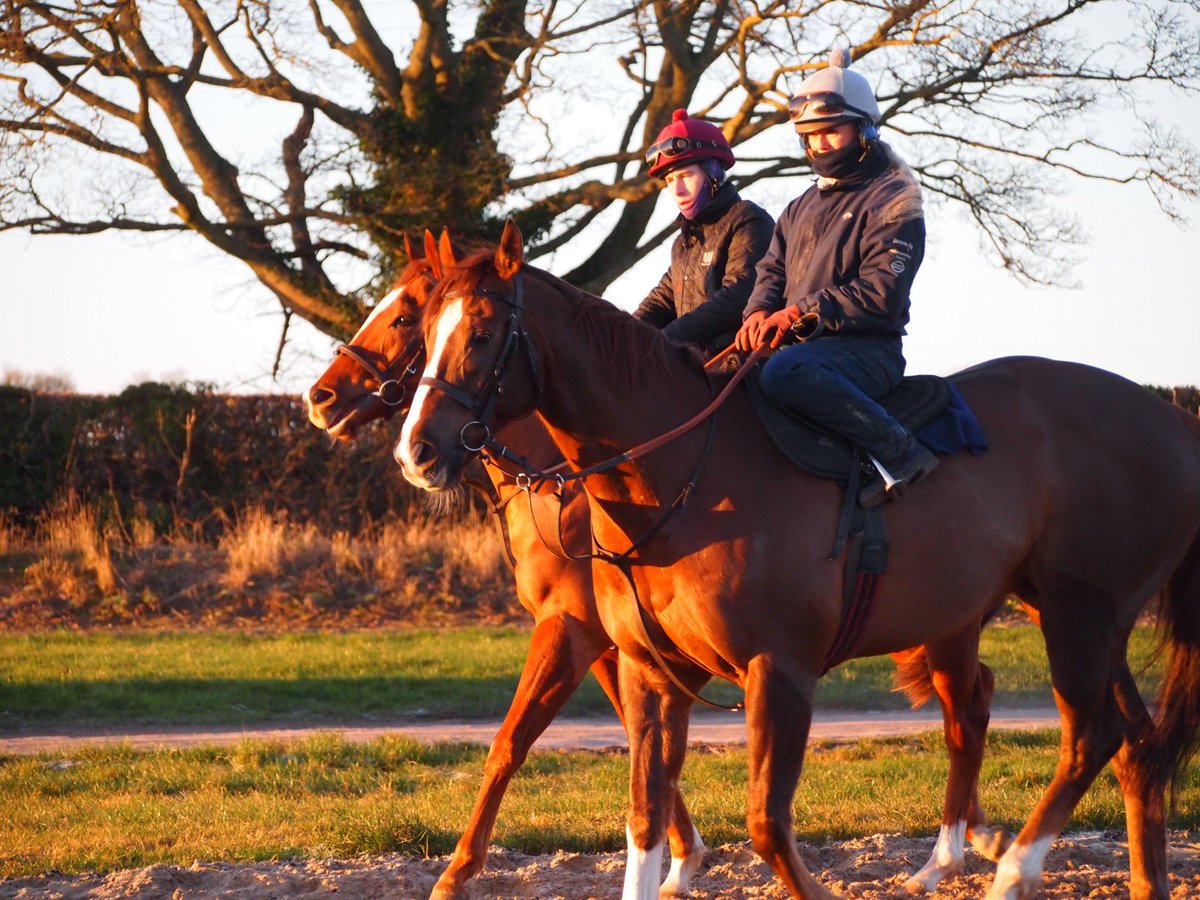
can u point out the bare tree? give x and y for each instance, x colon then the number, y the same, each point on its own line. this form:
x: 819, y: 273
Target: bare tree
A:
x: 113, y: 116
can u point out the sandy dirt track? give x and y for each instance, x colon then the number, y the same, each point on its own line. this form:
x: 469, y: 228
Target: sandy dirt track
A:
x: 1093, y: 865
x: 1079, y: 866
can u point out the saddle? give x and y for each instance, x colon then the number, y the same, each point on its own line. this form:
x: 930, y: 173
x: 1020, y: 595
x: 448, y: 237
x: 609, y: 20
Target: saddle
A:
x: 916, y: 403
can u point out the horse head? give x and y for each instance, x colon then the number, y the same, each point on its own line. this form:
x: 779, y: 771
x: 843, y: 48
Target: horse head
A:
x: 481, y: 368
x: 373, y: 375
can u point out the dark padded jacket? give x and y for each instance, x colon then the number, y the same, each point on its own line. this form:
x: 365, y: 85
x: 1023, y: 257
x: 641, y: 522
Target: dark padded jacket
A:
x: 848, y: 250
x: 701, y: 297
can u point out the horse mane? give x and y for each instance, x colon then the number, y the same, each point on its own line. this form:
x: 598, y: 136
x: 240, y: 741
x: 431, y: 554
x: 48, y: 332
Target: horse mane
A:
x: 639, y: 355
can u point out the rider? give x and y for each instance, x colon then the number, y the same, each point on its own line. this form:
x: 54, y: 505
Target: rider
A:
x: 721, y: 237
x: 842, y: 259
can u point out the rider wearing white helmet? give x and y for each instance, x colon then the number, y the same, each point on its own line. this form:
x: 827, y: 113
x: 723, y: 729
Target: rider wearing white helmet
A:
x: 843, y: 254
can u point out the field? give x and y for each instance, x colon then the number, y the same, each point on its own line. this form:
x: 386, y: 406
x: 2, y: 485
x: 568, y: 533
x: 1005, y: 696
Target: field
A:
x: 281, y: 610
x: 228, y: 677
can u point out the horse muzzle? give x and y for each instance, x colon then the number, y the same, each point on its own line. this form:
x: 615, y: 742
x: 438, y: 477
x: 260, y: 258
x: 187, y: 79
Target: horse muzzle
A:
x: 421, y: 465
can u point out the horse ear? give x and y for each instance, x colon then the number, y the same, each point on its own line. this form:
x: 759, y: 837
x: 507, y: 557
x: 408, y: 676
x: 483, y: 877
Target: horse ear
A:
x: 446, y: 249
x: 511, y: 252
x: 431, y: 254
x: 408, y: 249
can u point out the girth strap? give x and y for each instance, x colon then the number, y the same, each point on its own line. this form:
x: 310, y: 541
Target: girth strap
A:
x: 866, y: 563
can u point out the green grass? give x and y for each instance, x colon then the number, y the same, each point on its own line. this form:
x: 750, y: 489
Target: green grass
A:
x: 212, y: 678
x: 104, y: 809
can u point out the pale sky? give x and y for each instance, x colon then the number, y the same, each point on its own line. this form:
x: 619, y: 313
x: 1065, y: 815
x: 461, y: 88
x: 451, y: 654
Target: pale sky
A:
x: 111, y: 310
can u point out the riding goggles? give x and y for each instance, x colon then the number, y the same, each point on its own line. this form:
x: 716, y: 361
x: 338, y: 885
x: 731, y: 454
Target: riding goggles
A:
x: 822, y: 104
x: 676, y: 146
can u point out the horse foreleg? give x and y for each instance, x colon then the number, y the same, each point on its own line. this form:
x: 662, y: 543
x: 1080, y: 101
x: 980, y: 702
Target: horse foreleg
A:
x: 687, y: 846
x: 778, y: 716
x: 1081, y: 673
x: 964, y: 690
x: 559, y: 655
x: 1143, y: 795
x: 656, y: 719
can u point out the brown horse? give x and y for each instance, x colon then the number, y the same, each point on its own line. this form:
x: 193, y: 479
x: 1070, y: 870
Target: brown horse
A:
x: 1087, y: 506
x: 568, y: 637
x: 352, y: 392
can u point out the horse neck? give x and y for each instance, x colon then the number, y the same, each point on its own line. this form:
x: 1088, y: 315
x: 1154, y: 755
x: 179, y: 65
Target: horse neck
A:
x: 611, y: 382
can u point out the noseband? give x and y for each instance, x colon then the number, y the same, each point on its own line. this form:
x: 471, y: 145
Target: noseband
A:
x: 483, y: 403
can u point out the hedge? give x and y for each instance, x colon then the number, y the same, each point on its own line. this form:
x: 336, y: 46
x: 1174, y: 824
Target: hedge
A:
x: 183, y: 457
x: 194, y: 458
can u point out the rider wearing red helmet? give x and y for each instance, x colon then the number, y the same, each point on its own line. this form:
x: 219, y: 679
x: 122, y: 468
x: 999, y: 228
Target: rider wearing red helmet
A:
x: 721, y: 237
x: 844, y: 254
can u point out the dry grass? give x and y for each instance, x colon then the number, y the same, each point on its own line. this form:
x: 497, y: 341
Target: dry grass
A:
x: 261, y: 544
x: 264, y: 570
x: 76, y: 550
x: 11, y: 538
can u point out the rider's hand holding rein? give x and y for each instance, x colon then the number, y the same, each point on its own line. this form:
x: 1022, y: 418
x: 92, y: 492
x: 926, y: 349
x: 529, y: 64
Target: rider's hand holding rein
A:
x: 749, y: 336
x: 774, y: 329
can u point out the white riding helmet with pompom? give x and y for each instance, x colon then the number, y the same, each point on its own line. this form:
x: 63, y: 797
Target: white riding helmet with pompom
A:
x: 832, y: 96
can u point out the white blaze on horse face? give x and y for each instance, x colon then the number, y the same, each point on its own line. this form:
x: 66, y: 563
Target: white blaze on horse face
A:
x: 377, y: 312
x: 947, y: 859
x: 643, y: 868
x: 448, y: 320
x: 1019, y: 873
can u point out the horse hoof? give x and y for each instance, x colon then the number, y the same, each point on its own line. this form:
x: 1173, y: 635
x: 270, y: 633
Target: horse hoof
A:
x: 678, y: 882
x: 991, y: 842
x: 449, y: 891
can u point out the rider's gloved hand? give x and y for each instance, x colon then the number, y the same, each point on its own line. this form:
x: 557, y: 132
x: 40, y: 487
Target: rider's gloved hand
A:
x: 778, y: 326
x: 749, y: 336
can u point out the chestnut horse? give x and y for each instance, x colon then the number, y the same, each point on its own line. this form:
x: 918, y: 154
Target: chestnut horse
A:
x: 371, y: 377
x: 1087, y: 506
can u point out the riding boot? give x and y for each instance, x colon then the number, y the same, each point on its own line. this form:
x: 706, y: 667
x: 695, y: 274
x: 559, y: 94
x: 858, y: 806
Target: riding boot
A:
x: 905, y: 459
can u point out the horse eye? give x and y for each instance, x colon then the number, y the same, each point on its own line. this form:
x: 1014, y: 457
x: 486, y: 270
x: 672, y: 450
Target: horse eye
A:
x: 402, y: 320
x: 479, y: 338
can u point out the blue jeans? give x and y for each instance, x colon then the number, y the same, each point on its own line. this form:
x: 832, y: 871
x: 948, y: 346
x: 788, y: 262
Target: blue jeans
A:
x: 834, y: 381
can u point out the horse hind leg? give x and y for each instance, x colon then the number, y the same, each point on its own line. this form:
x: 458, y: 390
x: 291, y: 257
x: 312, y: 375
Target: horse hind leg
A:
x: 1080, y: 650
x: 1152, y: 762
x: 1145, y: 820
x: 964, y: 688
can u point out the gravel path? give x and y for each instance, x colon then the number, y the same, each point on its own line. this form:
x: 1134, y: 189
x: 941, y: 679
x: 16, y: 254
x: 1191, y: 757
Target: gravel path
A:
x: 707, y: 727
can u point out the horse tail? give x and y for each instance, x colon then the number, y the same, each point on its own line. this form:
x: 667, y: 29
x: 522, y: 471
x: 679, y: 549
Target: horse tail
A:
x: 911, y: 677
x: 1175, y: 736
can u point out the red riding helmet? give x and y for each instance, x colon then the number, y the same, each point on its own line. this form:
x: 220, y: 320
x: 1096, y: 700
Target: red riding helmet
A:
x: 686, y: 141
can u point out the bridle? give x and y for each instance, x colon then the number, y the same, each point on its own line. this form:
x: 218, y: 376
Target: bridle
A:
x: 391, y: 391
x: 484, y: 401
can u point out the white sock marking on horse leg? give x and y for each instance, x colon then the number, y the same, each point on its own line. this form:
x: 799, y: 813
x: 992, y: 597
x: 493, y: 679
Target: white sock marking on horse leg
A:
x: 946, y: 858
x: 679, y: 879
x: 1019, y: 872
x: 447, y: 322
x: 642, y: 870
